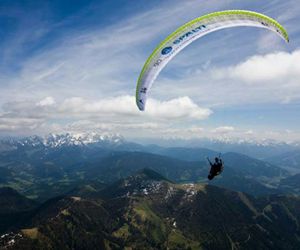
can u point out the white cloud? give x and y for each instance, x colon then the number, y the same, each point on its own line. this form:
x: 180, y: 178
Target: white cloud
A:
x: 48, y: 101
x: 259, y: 80
x: 223, y: 130
x: 108, y: 114
x: 178, y: 108
x: 249, y: 132
x: 17, y: 124
x: 269, y: 68
x: 90, y: 125
x: 119, y: 105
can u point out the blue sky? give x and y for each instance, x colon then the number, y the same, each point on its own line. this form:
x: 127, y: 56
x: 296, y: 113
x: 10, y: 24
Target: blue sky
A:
x: 72, y: 66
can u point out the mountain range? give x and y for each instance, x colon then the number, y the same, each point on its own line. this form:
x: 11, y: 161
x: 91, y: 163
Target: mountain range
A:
x: 42, y: 168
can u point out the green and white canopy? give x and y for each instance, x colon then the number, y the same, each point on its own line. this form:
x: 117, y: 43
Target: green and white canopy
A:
x: 191, y: 31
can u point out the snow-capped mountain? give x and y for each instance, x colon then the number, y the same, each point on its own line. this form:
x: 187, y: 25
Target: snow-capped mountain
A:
x: 57, y: 140
x: 68, y: 139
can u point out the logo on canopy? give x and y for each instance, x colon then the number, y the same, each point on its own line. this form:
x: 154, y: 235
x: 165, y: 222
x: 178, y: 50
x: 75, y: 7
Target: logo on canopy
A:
x: 166, y: 50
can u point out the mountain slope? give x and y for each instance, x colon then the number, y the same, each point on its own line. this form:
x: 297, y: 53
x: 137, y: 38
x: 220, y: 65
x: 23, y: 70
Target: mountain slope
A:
x: 12, y: 201
x: 146, y: 211
x: 121, y: 165
x: 181, y: 153
x: 246, y: 165
x: 287, y: 160
x: 252, y: 167
x: 291, y: 184
x: 13, y: 208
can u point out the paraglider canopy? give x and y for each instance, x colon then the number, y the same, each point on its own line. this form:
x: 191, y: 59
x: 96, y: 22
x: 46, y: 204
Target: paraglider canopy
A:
x: 191, y: 31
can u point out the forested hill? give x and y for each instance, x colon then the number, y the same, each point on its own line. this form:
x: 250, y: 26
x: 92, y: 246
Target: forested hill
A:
x: 147, y: 211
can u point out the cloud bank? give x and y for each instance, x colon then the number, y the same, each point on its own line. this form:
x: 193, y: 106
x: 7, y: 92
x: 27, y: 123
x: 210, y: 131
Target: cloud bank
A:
x: 274, y: 68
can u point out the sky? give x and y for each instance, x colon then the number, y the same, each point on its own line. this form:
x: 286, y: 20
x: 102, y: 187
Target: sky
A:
x: 72, y: 66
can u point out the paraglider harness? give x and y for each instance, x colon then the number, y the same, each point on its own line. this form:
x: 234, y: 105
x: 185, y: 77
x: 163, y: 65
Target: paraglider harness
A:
x: 216, y: 168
